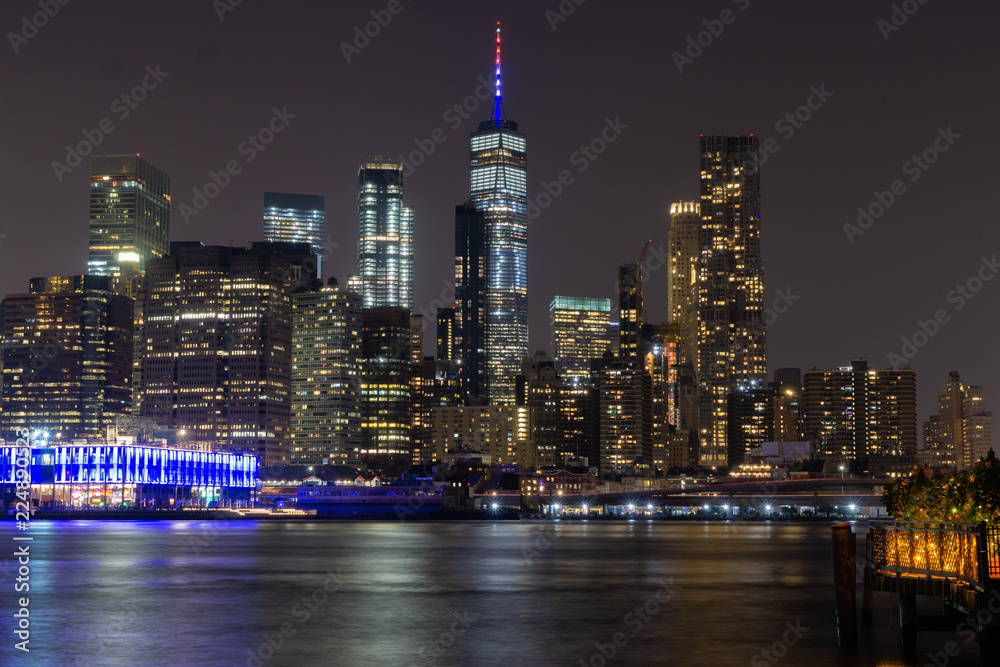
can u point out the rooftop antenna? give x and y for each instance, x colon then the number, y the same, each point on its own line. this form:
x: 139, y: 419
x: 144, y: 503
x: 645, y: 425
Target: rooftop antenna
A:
x: 498, y: 114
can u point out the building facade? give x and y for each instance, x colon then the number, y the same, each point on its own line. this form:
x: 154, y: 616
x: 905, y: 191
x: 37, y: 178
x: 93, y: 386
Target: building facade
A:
x: 502, y: 432
x: 470, y: 301
x: 326, y: 376
x: 296, y: 218
x: 217, y: 337
x: 129, y: 218
x: 855, y: 411
x: 684, y: 254
x: 581, y: 331
x: 385, y: 236
x: 67, y: 358
x: 626, y: 419
x: 630, y: 313
x: 732, y: 333
x: 386, y: 389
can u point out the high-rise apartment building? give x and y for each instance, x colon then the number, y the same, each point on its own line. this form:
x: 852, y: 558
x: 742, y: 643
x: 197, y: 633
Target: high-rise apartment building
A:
x: 217, y: 339
x: 732, y: 335
x: 326, y: 375
x: 581, y: 331
x: 855, y: 411
x: 296, y: 218
x: 626, y: 419
x: 67, y: 358
x: 751, y: 421
x: 385, y: 236
x: 129, y: 218
x: 683, y: 257
x: 498, y: 181
x: 470, y: 301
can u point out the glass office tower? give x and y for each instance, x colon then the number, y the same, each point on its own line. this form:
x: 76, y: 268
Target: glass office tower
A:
x: 296, y: 219
x: 385, y: 236
x: 499, y: 189
x: 129, y: 218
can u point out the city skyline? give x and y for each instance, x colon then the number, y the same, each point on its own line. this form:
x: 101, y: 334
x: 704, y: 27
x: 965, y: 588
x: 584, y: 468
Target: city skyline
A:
x: 837, y: 297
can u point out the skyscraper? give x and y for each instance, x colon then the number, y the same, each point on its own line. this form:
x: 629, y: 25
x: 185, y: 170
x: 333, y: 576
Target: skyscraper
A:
x: 964, y: 428
x: 296, y: 219
x: 630, y: 312
x: 217, y: 347
x: 470, y: 302
x: 129, y: 218
x: 385, y: 236
x: 732, y: 335
x: 581, y: 331
x: 326, y: 375
x: 67, y: 358
x: 683, y: 254
x: 387, y: 368
x: 499, y: 189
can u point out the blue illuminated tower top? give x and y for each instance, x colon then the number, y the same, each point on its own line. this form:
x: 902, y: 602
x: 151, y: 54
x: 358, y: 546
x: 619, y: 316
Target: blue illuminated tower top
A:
x: 498, y: 180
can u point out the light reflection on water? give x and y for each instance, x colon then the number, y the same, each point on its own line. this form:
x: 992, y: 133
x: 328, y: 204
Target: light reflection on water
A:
x: 485, y: 593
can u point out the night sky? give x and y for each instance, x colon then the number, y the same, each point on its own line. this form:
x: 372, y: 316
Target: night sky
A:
x: 606, y: 60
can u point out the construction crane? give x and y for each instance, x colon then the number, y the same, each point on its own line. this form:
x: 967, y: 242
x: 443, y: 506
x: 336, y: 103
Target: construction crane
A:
x: 642, y: 255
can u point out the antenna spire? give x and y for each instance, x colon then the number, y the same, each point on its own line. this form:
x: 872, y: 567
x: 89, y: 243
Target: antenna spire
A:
x: 498, y: 114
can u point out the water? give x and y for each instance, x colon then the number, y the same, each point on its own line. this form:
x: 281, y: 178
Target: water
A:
x: 469, y: 594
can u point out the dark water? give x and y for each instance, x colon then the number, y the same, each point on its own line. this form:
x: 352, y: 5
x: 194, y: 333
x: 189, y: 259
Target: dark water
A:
x: 506, y: 593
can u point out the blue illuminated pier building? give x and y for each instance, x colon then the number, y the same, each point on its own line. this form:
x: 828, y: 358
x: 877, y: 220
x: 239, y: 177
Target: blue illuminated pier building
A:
x: 133, y: 476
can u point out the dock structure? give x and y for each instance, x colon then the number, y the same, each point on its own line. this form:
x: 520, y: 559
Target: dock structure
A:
x: 958, y: 563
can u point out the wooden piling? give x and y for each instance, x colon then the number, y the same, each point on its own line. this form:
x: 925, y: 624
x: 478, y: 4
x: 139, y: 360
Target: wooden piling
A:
x: 868, y: 582
x: 844, y: 579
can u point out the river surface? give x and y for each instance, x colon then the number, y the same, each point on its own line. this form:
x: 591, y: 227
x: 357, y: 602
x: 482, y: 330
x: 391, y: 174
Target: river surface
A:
x: 461, y: 593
